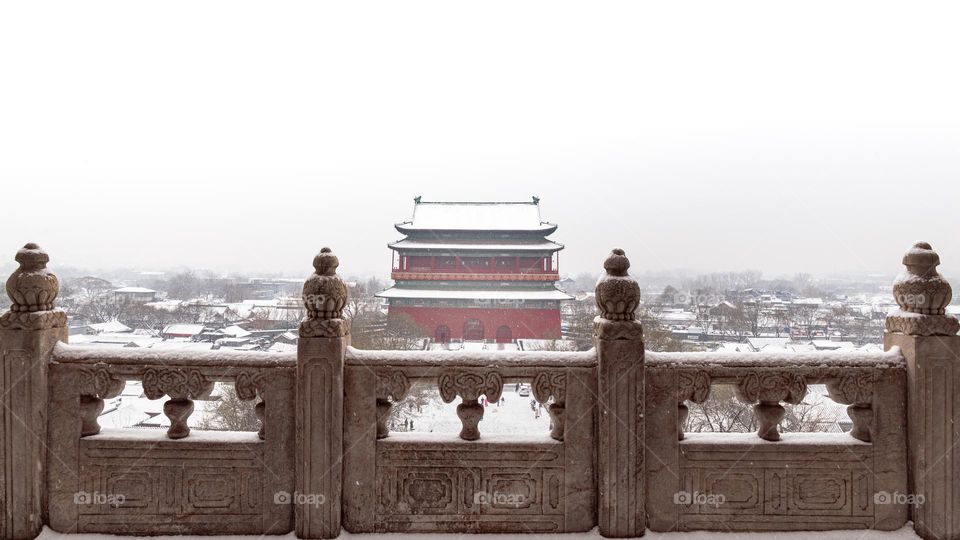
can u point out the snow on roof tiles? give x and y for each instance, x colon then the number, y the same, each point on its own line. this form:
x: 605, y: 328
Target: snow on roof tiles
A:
x: 477, y: 216
x: 458, y: 294
x: 498, y: 245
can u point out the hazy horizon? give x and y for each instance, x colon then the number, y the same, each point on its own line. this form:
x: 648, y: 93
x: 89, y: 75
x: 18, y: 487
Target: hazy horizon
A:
x: 234, y: 136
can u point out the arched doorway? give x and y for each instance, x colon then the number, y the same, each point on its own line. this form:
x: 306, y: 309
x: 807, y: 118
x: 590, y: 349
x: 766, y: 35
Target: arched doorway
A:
x: 473, y: 329
x: 442, y: 334
x: 504, y: 334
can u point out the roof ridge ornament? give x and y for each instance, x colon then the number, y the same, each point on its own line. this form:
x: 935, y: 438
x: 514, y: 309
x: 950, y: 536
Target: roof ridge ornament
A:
x: 922, y: 295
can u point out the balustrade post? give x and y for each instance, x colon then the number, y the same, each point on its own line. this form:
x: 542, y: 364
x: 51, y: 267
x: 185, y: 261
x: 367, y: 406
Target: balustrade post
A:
x: 620, y: 356
x: 28, y: 332
x: 324, y: 337
x: 928, y: 339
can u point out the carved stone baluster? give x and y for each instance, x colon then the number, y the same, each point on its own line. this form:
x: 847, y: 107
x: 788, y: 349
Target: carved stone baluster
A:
x: 96, y: 385
x: 390, y: 385
x: 855, y: 390
x: 183, y: 386
x: 767, y: 389
x: 470, y: 385
x: 547, y: 384
x: 694, y: 387
x: 249, y: 386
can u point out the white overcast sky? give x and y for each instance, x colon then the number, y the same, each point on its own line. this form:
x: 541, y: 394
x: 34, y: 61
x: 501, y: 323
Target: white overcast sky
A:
x: 243, y: 136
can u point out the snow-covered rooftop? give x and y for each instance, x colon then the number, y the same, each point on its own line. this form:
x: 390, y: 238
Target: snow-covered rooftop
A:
x: 134, y: 290
x: 477, y: 216
x: 498, y: 245
x: 486, y: 294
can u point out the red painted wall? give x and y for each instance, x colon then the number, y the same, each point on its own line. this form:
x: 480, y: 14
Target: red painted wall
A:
x: 523, y: 323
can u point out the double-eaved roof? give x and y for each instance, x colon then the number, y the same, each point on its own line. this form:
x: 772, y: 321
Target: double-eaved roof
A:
x: 477, y: 216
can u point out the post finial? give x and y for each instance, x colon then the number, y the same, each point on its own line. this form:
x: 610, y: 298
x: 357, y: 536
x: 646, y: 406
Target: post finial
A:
x: 922, y: 295
x: 324, y: 295
x: 32, y: 287
x: 617, y: 297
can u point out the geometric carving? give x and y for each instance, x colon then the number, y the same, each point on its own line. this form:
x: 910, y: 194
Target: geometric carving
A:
x: 429, y: 486
x: 740, y: 486
x: 141, y: 487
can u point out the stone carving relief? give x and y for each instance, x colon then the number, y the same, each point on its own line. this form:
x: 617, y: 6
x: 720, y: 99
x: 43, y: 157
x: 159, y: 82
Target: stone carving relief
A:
x: 32, y: 289
x: 183, y: 386
x: 391, y: 385
x: 922, y: 295
x: 855, y: 390
x: 470, y: 385
x: 547, y: 384
x: 248, y: 386
x: 691, y: 386
x: 324, y: 295
x: 96, y: 384
x: 767, y: 389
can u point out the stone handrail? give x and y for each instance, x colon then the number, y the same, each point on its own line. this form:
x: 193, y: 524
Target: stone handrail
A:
x: 468, y: 375
x: 182, y: 376
x: 768, y: 379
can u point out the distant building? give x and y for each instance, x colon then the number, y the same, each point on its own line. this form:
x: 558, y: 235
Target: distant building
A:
x: 477, y: 271
x: 134, y: 295
x: 182, y: 330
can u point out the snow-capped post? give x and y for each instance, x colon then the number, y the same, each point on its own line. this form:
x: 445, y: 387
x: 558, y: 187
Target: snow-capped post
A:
x: 927, y: 337
x: 324, y: 337
x: 620, y: 355
x: 28, y: 332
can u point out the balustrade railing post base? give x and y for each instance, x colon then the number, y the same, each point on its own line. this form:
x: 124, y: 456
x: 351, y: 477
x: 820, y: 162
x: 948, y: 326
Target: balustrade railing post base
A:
x: 933, y: 431
x: 24, y: 351
x: 621, y: 475
x: 317, y: 506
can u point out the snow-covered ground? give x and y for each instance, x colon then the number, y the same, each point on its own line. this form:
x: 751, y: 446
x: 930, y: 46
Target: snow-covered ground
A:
x: 905, y: 533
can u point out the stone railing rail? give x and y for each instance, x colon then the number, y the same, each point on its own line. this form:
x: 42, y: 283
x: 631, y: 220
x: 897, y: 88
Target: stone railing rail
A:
x: 616, y: 457
x: 97, y: 476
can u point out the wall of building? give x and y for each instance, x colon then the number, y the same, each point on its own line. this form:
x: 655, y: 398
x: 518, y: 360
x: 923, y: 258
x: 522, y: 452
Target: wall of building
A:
x: 523, y: 323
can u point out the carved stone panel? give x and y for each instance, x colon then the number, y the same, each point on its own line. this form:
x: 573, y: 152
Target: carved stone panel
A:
x: 452, y: 486
x: 741, y: 485
x: 131, y: 486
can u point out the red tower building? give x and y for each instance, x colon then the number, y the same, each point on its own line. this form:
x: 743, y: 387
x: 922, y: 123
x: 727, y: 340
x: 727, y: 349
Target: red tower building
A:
x: 477, y: 271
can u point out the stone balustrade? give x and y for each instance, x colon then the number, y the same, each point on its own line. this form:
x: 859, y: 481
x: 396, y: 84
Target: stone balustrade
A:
x: 616, y: 456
